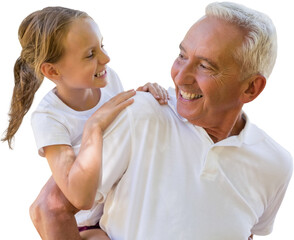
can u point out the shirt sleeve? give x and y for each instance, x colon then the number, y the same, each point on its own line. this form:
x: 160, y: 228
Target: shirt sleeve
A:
x: 48, y: 131
x: 117, y: 152
x: 265, y: 223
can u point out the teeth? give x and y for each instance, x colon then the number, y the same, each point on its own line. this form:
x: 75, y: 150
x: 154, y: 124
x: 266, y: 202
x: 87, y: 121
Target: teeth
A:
x: 100, y: 74
x: 190, y: 96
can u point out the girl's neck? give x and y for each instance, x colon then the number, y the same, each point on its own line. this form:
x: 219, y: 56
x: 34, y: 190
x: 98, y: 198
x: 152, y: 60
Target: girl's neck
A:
x: 80, y: 99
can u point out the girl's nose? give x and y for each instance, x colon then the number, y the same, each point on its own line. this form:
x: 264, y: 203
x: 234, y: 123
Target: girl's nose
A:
x: 103, y: 58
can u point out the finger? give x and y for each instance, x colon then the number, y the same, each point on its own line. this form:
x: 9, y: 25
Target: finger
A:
x: 126, y: 95
x: 117, y: 103
x: 124, y: 100
x: 154, y: 90
x: 162, y: 93
x: 140, y: 89
x: 121, y: 106
x: 165, y: 95
x: 123, y: 96
x: 144, y: 88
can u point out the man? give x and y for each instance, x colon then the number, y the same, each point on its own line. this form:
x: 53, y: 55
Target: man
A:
x: 196, y: 169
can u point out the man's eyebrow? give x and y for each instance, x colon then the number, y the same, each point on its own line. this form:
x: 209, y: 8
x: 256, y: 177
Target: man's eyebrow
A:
x: 181, y: 47
x: 208, y: 60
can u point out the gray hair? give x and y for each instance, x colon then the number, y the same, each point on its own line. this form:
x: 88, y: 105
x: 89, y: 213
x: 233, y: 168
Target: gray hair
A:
x: 259, y: 49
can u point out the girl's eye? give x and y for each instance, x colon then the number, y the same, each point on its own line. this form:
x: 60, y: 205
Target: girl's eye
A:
x: 90, y: 55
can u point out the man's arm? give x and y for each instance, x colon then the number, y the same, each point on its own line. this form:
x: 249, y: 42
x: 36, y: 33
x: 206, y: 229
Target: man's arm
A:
x: 53, y: 215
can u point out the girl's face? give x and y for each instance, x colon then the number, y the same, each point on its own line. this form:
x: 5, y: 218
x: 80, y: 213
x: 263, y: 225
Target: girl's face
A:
x: 83, y: 64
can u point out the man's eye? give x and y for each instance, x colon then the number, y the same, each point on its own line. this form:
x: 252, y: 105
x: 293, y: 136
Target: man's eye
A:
x: 203, y: 66
x: 102, y: 45
x: 181, y: 56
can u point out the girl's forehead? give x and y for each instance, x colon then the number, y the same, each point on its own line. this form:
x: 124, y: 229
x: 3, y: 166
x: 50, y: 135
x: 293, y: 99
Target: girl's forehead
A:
x: 82, y: 34
x: 83, y: 28
x: 84, y: 25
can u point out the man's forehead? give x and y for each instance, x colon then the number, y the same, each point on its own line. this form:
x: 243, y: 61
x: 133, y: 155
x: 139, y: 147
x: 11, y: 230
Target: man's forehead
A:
x: 207, y: 40
x: 214, y: 33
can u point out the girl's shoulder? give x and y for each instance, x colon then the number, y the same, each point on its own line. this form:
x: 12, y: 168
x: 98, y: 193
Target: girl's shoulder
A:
x: 114, y: 85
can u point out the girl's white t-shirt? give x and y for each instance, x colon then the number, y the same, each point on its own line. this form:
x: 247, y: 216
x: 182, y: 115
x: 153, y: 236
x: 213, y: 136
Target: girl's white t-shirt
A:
x: 55, y: 123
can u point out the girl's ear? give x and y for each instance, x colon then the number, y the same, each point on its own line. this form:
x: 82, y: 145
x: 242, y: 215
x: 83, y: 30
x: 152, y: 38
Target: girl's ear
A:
x: 50, y: 71
x: 254, y: 87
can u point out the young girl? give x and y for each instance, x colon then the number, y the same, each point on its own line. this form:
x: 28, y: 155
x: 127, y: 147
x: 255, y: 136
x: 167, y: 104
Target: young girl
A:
x: 65, y: 46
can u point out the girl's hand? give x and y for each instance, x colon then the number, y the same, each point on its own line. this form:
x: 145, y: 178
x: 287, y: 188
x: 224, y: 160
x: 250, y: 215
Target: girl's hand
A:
x: 158, y: 92
x: 78, y: 175
x: 109, y: 110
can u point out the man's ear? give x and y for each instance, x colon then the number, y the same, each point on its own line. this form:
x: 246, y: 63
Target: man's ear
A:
x: 254, y: 86
x: 50, y: 71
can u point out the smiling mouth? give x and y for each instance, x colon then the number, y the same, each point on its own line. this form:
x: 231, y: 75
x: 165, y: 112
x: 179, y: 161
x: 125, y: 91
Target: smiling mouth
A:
x: 190, y: 96
x: 100, y: 74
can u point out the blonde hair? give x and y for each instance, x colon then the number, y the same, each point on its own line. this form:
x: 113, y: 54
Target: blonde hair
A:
x: 41, y: 37
x: 258, y: 53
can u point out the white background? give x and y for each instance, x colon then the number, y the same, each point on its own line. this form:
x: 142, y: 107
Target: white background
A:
x: 142, y: 39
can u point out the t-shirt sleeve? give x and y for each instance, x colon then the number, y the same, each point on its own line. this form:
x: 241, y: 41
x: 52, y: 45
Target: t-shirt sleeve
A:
x: 48, y: 131
x: 265, y: 223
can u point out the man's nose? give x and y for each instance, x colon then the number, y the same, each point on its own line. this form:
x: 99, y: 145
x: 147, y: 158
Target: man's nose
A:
x: 186, y: 75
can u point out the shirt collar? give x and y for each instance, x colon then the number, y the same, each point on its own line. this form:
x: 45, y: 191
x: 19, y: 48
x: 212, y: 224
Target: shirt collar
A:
x: 250, y: 134
x: 172, y: 103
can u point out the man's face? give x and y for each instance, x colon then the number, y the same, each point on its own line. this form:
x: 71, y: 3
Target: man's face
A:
x: 206, y: 76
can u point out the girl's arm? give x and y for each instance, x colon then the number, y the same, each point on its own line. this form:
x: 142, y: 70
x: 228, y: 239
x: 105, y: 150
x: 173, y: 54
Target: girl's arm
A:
x: 78, y: 176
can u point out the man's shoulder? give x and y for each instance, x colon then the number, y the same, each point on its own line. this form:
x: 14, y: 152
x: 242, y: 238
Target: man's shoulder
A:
x: 277, y: 155
x: 145, y: 102
x: 144, y: 111
x: 269, y: 141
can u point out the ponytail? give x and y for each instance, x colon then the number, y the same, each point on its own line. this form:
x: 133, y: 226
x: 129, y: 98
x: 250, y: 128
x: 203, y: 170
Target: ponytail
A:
x: 26, y: 83
x: 41, y: 37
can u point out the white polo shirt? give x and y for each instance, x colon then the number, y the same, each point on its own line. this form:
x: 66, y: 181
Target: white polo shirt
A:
x: 164, y: 178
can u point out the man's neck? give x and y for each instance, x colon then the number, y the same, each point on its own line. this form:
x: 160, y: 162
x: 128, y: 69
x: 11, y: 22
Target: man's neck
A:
x: 229, y: 129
